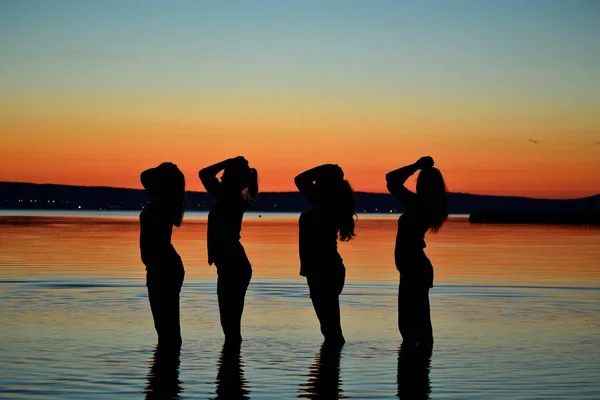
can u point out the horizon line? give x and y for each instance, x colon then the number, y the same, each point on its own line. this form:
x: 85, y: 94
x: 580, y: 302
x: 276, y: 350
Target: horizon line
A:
x: 357, y: 191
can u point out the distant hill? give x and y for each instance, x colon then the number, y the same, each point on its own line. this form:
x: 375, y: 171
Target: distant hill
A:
x: 17, y: 195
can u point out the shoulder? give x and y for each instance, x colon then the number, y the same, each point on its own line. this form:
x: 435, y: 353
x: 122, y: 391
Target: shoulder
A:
x: 232, y: 199
x: 146, y: 213
x: 240, y: 202
x: 153, y: 216
x: 306, y: 216
x: 311, y: 212
x: 229, y: 204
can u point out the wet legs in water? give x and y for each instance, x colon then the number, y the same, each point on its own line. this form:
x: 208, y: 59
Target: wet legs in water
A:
x: 231, y: 292
x: 324, y: 293
x: 414, y: 316
x: 163, y: 379
x: 164, y: 303
x: 231, y: 383
x: 324, y: 376
x: 414, y: 364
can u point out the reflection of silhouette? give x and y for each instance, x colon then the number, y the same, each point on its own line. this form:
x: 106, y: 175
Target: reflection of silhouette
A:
x: 413, y: 372
x: 332, y: 214
x: 235, y: 191
x: 324, y: 375
x: 231, y: 384
x: 163, y: 379
x: 425, y: 210
x: 164, y: 269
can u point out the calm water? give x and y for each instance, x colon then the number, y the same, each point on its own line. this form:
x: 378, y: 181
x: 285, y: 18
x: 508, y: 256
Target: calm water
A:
x: 515, y: 310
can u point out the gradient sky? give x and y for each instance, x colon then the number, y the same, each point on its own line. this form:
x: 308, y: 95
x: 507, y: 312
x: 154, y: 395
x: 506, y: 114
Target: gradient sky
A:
x: 505, y: 95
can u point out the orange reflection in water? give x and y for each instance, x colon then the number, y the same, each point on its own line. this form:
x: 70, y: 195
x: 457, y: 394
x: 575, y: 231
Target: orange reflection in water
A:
x: 460, y: 252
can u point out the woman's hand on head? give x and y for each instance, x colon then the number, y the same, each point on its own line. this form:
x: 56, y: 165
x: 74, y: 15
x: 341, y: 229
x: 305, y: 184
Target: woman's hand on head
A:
x: 335, y: 171
x: 239, y: 161
x: 424, y: 162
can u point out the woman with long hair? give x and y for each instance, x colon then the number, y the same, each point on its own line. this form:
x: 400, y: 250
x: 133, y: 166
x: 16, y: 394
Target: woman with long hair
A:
x: 330, y: 218
x: 164, y: 268
x: 235, y: 191
x: 426, y: 210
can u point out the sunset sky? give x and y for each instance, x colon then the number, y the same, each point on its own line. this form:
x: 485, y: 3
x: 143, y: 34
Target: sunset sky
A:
x: 505, y: 95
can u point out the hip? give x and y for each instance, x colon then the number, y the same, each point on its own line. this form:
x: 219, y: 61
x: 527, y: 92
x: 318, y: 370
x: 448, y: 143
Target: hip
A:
x: 323, y: 285
x: 405, y: 256
x: 235, y: 262
x: 322, y: 266
x: 233, y: 280
x: 227, y: 254
x: 165, y: 278
x: 415, y: 270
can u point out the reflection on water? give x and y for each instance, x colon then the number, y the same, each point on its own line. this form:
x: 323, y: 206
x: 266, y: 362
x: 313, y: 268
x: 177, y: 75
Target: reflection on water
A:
x: 324, y: 375
x: 515, y: 314
x: 231, y: 384
x: 163, y: 378
x: 461, y: 253
x: 413, y: 373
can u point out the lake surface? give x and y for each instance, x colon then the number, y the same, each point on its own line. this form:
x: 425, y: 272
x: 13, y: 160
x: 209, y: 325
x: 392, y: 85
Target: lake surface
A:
x: 515, y: 310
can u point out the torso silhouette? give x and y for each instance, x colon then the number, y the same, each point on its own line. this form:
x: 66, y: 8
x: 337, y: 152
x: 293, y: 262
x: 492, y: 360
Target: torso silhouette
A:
x: 318, y: 243
x: 409, y: 254
x: 158, y: 254
x: 224, y: 227
x: 410, y: 238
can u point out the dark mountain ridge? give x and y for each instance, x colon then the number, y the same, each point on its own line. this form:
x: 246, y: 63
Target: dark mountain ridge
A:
x: 19, y: 195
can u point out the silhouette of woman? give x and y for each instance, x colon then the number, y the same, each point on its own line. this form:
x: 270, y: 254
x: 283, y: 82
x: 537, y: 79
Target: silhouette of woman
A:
x: 332, y: 213
x: 425, y: 210
x: 164, y: 269
x: 235, y: 191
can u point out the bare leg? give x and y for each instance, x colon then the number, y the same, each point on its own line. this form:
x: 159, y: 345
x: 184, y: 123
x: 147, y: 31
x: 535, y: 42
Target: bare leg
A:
x: 154, y: 298
x: 332, y: 316
x: 426, y: 331
x: 414, y: 316
x: 325, y: 293
x: 231, y: 292
x: 164, y: 303
x: 406, y: 316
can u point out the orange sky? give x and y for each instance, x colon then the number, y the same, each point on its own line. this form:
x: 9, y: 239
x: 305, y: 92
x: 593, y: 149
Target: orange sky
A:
x: 507, y: 112
x: 478, y: 153
x: 88, y: 152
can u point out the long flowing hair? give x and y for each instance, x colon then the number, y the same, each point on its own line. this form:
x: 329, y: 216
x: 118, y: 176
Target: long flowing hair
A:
x: 337, y: 200
x: 433, y: 197
x: 166, y: 184
x: 347, y: 211
x: 242, y: 181
x: 251, y: 191
x: 178, y: 201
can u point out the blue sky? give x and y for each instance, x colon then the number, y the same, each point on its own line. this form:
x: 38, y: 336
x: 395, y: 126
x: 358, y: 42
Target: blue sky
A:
x: 439, y: 47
